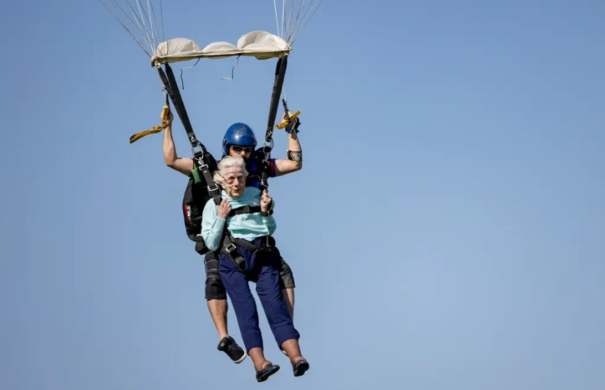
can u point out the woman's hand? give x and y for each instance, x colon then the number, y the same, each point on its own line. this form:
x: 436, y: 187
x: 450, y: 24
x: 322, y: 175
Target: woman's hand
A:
x: 224, y: 209
x: 265, y: 201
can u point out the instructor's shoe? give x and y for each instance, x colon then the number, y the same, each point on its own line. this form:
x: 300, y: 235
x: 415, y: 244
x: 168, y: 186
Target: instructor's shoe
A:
x: 234, y: 351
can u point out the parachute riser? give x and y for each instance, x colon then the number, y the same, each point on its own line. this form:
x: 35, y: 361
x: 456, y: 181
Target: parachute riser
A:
x: 201, y: 169
x: 280, y: 73
x: 173, y: 92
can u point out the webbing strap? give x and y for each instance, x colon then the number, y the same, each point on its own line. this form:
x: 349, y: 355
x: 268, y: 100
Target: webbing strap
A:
x: 199, y: 150
x: 280, y: 73
x: 155, y: 129
x: 245, y: 210
x: 230, y: 248
x: 175, y: 95
x: 138, y: 136
x: 213, y: 188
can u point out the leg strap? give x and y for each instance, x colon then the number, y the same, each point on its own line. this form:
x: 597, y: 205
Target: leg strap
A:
x: 230, y: 245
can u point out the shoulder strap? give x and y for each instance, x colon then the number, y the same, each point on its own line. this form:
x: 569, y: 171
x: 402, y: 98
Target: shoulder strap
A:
x: 213, y: 188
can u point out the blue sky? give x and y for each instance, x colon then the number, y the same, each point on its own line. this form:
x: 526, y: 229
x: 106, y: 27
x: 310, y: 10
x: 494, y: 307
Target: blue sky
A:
x: 444, y: 231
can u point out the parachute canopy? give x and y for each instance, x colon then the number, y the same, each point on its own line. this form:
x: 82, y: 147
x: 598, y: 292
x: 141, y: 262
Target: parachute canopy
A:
x: 259, y: 44
x: 144, y: 21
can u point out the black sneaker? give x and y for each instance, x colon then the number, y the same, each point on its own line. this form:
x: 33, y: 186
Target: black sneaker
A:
x: 234, y: 351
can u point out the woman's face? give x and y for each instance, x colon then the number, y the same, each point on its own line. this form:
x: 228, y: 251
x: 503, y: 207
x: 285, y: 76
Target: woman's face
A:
x: 235, y: 182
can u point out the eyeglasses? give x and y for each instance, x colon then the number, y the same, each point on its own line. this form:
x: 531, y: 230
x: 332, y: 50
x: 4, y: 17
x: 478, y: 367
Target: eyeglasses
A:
x: 245, y: 149
x: 232, y: 179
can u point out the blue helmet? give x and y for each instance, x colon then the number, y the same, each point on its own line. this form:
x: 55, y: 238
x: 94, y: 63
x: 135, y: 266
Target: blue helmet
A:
x: 238, y: 134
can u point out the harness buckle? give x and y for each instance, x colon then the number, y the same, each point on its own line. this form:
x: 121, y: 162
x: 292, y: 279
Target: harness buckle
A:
x: 230, y: 248
x: 197, y: 149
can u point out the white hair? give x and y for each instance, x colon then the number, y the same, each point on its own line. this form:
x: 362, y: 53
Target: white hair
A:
x: 229, y: 162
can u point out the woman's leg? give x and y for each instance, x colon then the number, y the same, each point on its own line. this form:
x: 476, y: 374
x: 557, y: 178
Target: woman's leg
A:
x: 269, y: 292
x: 244, y: 306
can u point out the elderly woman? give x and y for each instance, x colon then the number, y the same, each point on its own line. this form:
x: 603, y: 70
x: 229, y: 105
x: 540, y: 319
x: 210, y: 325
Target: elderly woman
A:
x: 246, y: 213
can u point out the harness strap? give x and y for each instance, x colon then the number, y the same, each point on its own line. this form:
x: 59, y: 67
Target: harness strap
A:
x: 244, y: 210
x: 213, y: 188
x: 230, y: 244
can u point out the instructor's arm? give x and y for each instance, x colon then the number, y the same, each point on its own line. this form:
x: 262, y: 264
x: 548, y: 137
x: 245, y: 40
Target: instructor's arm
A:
x: 181, y: 164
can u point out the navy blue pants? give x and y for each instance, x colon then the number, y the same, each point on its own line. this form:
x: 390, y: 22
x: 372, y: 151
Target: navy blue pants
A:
x: 263, y: 269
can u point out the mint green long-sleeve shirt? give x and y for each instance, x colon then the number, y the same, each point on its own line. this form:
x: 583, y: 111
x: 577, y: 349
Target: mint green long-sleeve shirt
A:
x: 245, y: 226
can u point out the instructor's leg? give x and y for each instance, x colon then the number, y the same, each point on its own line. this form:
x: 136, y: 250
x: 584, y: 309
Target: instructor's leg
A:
x: 218, y: 312
x: 287, y: 286
x: 216, y: 295
x: 217, y: 305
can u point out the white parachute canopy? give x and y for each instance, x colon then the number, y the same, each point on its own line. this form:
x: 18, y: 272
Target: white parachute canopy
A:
x: 147, y: 18
x: 259, y: 44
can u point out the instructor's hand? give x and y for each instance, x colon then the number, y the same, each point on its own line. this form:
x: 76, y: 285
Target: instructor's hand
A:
x: 167, y: 116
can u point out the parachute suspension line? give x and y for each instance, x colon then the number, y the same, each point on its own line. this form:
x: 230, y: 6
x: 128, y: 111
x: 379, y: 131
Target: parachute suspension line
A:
x: 289, y: 19
x: 136, y: 22
x: 303, y: 16
x: 292, y: 27
x: 295, y: 15
x: 134, y: 37
x: 144, y: 23
x: 139, y: 15
x: 283, y: 17
x: 276, y: 18
x: 151, y: 11
x: 162, y: 19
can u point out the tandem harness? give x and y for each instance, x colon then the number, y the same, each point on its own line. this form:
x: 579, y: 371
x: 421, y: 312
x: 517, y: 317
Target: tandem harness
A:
x: 230, y: 243
x: 204, y: 162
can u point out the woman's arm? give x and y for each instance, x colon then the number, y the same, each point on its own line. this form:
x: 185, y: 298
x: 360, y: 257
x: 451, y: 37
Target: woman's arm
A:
x: 213, y: 223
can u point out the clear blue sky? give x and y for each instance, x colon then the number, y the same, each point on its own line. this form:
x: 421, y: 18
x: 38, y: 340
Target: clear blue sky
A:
x: 444, y: 232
